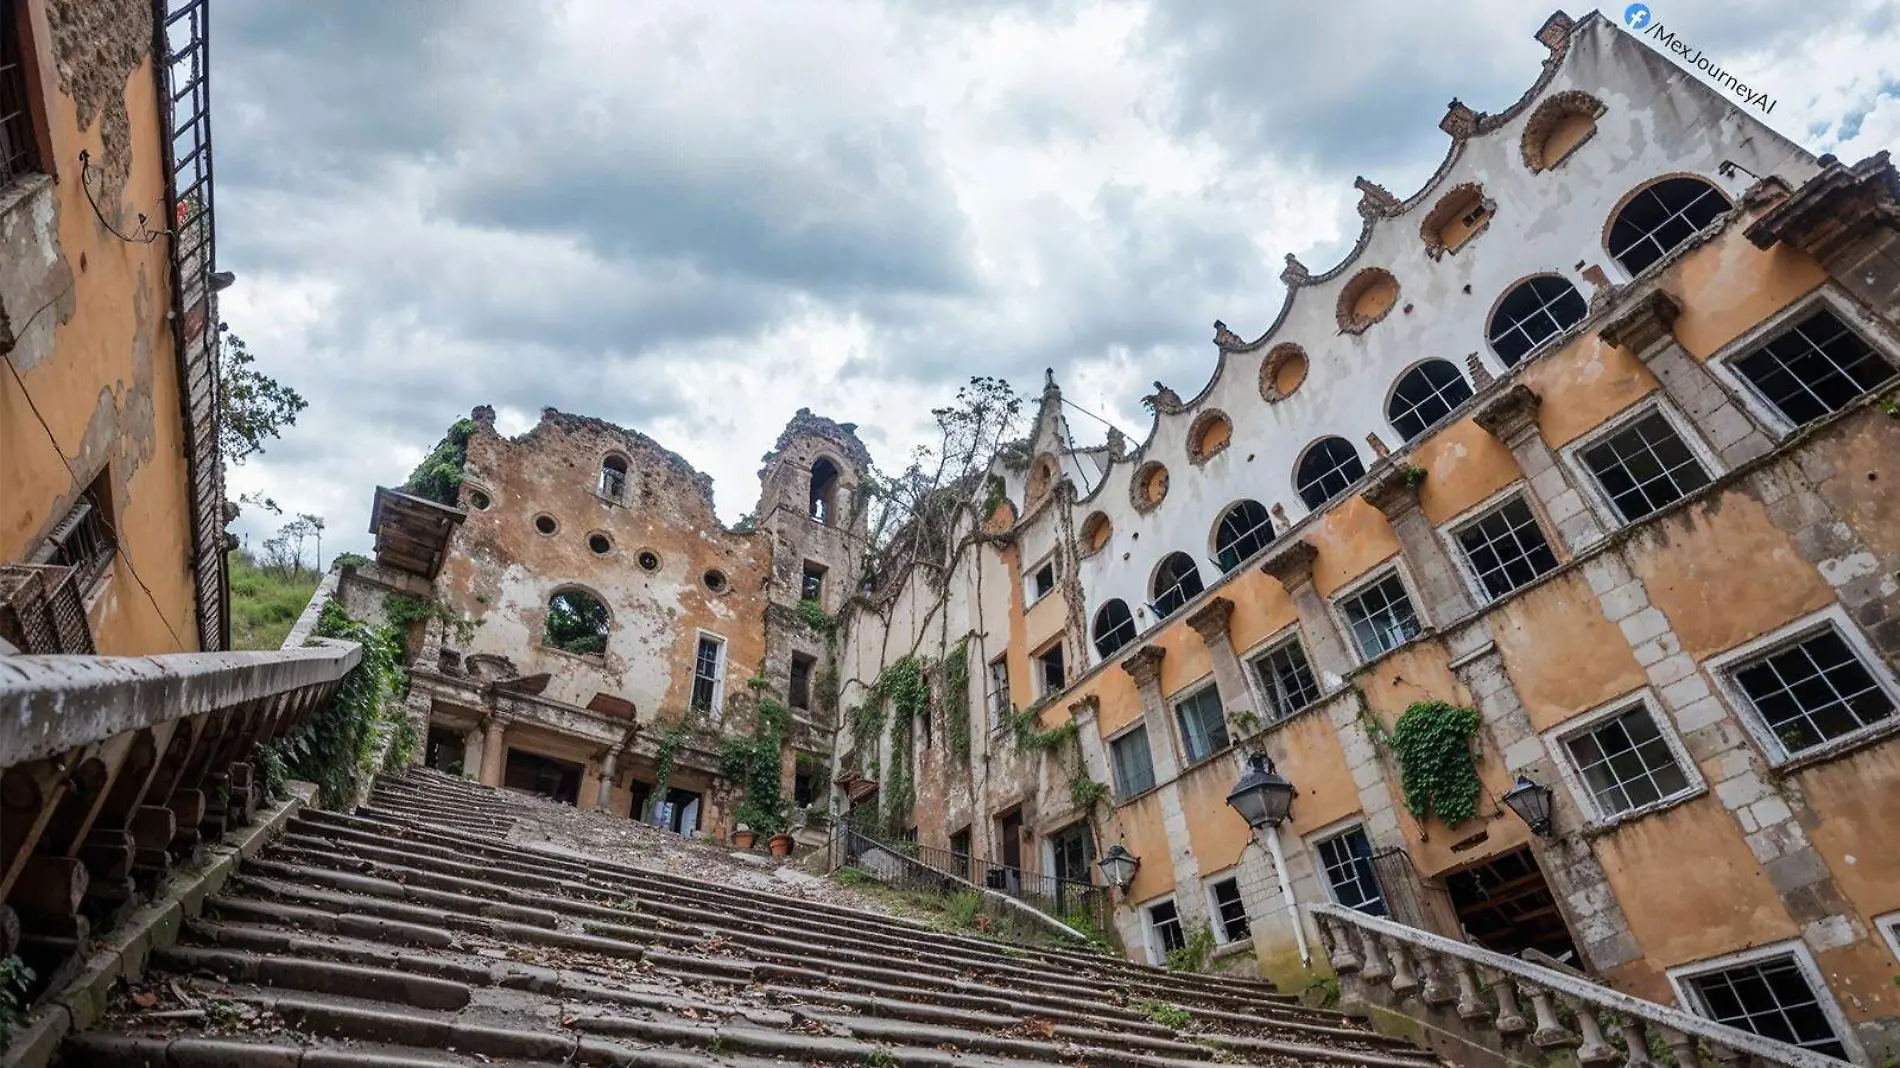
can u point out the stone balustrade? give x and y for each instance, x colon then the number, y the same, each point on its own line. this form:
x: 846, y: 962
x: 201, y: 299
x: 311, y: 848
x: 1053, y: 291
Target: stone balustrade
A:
x: 1512, y: 1002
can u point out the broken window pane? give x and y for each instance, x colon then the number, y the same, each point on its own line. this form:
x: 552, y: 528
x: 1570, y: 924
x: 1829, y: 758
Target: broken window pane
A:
x: 1134, y: 766
x: 1243, y: 531
x: 1382, y: 617
x: 1645, y: 466
x: 1114, y: 628
x: 1661, y: 217
x: 1626, y: 763
x: 1537, y: 310
x: 577, y: 623
x: 1814, y: 691
x: 1424, y: 395
x: 1771, y: 998
x: 1506, y: 548
x: 1347, y: 860
x: 706, y: 673
x: 1203, y: 725
x: 1231, y: 911
x: 1287, y: 678
x: 1817, y: 367
x: 1329, y: 466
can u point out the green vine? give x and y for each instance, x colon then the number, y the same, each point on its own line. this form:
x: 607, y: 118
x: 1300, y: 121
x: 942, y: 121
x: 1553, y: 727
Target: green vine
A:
x: 814, y: 616
x: 956, y: 700
x: 1413, y: 474
x: 674, y: 737
x: 1437, y: 768
x: 403, y: 611
x: 16, y: 979
x: 1194, y: 955
x: 753, y: 763
x: 439, y: 476
x: 336, y: 748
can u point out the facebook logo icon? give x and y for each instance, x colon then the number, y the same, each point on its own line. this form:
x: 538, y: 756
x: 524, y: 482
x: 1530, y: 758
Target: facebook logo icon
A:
x: 1636, y: 16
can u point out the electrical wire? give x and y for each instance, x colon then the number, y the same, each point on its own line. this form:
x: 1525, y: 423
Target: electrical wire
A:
x: 118, y: 545
x: 1097, y: 418
x: 146, y: 234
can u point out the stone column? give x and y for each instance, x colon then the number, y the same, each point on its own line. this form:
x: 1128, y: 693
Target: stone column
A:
x: 1293, y: 567
x: 1446, y: 596
x: 472, y: 753
x: 1647, y: 330
x: 494, y: 751
x: 1511, y: 417
x: 604, y: 793
x: 1236, y: 696
x: 1843, y: 217
x: 1145, y: 668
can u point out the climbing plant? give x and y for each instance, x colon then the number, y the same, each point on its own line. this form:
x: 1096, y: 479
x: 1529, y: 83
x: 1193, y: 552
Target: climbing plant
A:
x: 15, y: 980
x: 753, y: 763
x: 956, y: 699
x: 671, y: 740
x: 336, y: 748
x: 814, y: 616
x: 1437, y: 768
x: 439, y: 476
x: 403, y: 611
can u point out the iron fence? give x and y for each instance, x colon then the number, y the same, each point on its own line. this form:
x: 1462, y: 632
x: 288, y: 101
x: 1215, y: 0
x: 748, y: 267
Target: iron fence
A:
x: 908, y: 866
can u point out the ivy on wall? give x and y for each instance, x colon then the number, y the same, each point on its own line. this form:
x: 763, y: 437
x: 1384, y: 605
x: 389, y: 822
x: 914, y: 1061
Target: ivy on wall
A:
x: 439, y: 476
x: 336, y: 747
x: 1438, y: 770
x: 956, y: 700
x: 753, y: 764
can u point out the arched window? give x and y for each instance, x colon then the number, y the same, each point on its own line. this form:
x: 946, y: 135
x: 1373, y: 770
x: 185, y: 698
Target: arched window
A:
x: 824, y: 490
x: 1660, y: 217
x: 1114, y: 628
x: 1327, y: 468
x: 1424, y: 395
x: 1533, y: 312
x: 577, y: 623
x: 1242, y: 532
x: 613, y: 478
x: 1177, y: 581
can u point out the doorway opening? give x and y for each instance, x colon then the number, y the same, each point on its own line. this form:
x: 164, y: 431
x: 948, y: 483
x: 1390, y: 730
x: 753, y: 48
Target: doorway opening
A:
x: 1505, y: 905
x: 556, y: 780
x: 445, y: 751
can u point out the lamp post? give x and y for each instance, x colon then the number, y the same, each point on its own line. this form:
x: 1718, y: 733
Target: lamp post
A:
x: 1531, y: 801
x: 1118, y: 866
x: 1263, y: 797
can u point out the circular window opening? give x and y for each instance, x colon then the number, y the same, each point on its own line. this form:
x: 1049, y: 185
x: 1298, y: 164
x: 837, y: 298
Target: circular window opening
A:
x: 600, y: 544
x: 1282, y: 372
x: 648, y: 560
x: 715, y: 580
x: 1368, y: 298
x: 545, y: 523
x: 478, y: 500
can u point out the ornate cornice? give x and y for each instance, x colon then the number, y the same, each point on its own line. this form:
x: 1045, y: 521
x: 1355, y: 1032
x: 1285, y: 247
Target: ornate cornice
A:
x: 1391, y: 492
x: 1144, y: 665
x: 1509, y: 413
x: 1085, y: 706
x: 1292, y: 565
x: 1834, y: 210
x: 1645, y: 322
x: 1210, y: 620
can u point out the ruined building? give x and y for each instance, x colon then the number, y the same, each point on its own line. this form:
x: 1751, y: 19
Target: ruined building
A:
x: 600, y: 637
x: 1585, y: 461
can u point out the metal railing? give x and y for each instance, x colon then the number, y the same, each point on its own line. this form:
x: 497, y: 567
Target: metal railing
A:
x: 905, y: 865
x: 1487, y: 989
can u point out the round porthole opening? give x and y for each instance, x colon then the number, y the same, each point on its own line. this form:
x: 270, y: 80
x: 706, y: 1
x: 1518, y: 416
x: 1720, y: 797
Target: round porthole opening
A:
x: 545, y: 523
x: 715, y: 580
x: 600, y: 543
x: 648, y: 560
x: 478, y: 500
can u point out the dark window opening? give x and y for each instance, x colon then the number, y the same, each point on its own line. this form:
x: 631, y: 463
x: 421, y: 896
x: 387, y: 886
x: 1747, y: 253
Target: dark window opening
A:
x: 1645, y: 466
x: 1230, y: 911
x: 1073, y: 851
x: 999, y: 700
x: 960, y: 850
x: 577, y: 623
x: 1134, y: 764
x: 1626, y: 763
x: 1505, y: 905
x: 1114, y: 628
x: 479, y: 500
x: 1287, y: 678
x: 1203, y: 724
x: 600, y: 544
x: 1425, y: 394
x: 1328, y: 467
x: 715, y: 580
x: 1051, y: 670
x: 706, y: 671
x: 446, y: 749
x: 678, y: 813
x: 545, y: 524
x: 1661, y: 217
x: 1507, y: 548
x: 613, y: 478
x: 824, y: 490
x: 1165, y: 922
x: 1243, y: 531
x: 807, y: 777
x: 800, y: 688
x: 1382, y: 618
x: 556, y: 780
x: 1771, y: 998
x: 1815, y: 368
x: 1177, y: 581
x: 1537, y: 310
x: 1814, y: 691
x: 19, y: 147
x: 86, y: 538
x: 1347, y: 861
x: 1042, y: 582
x: 811, y: 586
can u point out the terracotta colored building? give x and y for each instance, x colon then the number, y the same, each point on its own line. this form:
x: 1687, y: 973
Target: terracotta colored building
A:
x: 1584, y: 460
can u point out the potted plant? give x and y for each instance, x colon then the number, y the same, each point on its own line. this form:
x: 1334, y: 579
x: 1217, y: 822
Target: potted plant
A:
x: 780, y: 844
x: 742, y: 836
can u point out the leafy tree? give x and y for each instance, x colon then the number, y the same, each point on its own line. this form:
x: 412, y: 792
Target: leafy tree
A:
x: 253, y: 407
x: 577, y: 623
x: 439, y: 476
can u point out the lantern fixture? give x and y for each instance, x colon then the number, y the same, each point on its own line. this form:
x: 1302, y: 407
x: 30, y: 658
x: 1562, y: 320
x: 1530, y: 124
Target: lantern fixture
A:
x: 1531, y: 801
x: 1118, y: 866
x: 1263, y: 795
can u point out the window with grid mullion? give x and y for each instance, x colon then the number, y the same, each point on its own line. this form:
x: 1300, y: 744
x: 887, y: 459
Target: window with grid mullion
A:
x: 1626, y: 764
x: 1382, y: 617
x: 1644, y: 467
x: 1507, y: 548
x: 1817, y: 368
x: 1347, y: 860
x: 1772, y: 999
x: 1814, y: 692
x: 1288, y: 678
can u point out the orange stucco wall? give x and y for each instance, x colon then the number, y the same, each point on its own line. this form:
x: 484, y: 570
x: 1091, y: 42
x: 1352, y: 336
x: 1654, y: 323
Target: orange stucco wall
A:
x: 1583, y: 384
x: 1563, y: 614
x: 106, y: 380
x: 1736, y: 286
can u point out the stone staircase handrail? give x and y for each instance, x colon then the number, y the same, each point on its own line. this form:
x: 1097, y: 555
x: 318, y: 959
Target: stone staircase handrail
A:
x: 1440, y: 971
x: 52, y: 704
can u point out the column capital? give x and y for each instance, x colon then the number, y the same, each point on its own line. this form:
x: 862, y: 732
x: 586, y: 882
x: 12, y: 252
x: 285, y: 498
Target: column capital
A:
x: 1210, y: 620
x: 1832, y: 211
x: 1291, y: 564
x: 1647, y: 321
x: 1144, y: 665
x: 1509, y: 413
x: 1084, y: 707
x: 1393, y: 490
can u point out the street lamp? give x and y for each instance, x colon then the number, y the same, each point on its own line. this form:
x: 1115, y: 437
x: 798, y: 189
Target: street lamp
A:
x: 1118, y: 866
x: 1531, y: 802
x: 1263, y: 795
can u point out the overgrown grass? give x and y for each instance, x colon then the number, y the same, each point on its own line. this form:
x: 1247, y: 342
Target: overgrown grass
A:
x: 265, y: 602
x: 1167, y: 1015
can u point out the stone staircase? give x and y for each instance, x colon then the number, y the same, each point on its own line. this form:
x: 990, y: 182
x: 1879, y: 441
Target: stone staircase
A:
x: 411, y: 934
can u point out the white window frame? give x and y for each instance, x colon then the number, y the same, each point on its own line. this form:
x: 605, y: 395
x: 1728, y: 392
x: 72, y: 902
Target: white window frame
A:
x: 996, y: 700
x: 1114, y: 777
x: 1889, y: 926
x: 1150, y: 937
x: 1214, y: 921
x: 1448, y: 535
x: 1722, y: 364
x: 1336, y: 604
x: 1593, y: 492
x: 1052, y: 560
x: 1557, y: 738
x: 1250, y: 662
x: 719, y: 667
x: 1188, y: 693
x: 1687, y: 1001
x: 1721, y: 670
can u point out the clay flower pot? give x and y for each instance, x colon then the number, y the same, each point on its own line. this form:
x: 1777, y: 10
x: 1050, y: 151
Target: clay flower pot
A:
x: 742, y: 836
x: 780, y: 844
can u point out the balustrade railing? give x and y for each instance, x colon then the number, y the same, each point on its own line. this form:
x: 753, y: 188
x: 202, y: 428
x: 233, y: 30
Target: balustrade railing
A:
x: 909, y: 866
x: 1490, y: 992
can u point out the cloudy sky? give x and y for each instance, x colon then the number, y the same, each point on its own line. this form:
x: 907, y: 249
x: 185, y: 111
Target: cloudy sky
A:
x: 694, y: 217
